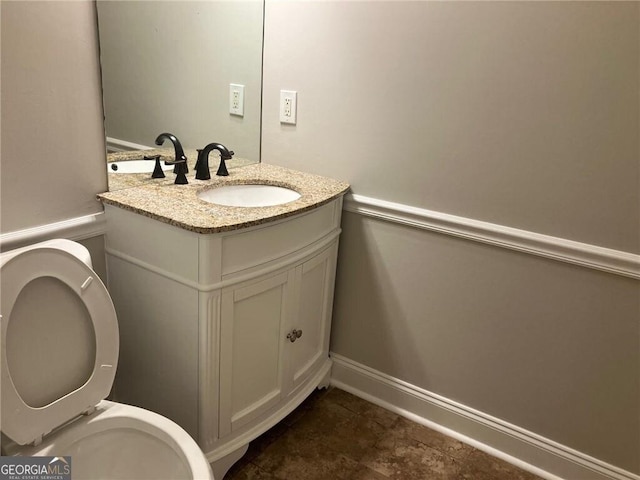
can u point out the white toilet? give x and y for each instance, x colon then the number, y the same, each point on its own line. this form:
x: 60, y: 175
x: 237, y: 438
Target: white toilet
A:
x: 59, y: 357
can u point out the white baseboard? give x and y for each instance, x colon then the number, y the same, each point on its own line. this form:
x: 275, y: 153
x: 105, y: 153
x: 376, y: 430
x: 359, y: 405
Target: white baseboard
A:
x: 525, y: 449
x: 78, y: 228
x: 561, y: 249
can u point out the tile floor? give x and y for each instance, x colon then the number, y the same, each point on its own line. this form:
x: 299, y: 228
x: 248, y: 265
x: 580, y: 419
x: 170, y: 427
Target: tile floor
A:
x: 334, y: 435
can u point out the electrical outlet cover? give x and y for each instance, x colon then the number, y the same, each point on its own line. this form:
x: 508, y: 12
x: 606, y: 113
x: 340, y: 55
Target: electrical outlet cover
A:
x: 236, y: 99
x: 288, y: 106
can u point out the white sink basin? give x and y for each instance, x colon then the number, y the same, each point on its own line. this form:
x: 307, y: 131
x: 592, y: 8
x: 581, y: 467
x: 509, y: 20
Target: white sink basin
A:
x: 135, y: 166
x: 249, y: 195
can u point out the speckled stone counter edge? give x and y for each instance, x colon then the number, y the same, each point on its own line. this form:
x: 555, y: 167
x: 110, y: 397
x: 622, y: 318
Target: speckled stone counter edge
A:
x: 180, y: 206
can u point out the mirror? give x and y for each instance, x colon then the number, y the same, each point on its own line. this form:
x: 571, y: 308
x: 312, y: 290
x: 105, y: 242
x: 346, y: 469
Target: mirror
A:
x: 167, y: 66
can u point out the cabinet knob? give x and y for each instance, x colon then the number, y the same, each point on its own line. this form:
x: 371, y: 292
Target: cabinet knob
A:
x: 293, y: 335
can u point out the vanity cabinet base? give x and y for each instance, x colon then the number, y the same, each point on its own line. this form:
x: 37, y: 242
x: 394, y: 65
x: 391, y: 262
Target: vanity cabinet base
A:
x: 221, y: 466
x: 218, y: 457
x: 224, y: 343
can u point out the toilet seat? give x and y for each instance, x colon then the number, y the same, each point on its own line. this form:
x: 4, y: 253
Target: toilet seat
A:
x: 121, y: 442
x: 54, y: 261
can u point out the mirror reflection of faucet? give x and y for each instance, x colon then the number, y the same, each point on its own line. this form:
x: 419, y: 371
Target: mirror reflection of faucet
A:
x: 180, y: 159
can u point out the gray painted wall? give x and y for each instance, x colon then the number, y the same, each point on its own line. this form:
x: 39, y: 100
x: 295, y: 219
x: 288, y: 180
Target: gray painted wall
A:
x: 547, y: 346
x: 524, y: 114
x: 53, y: 147
x: 518, y: 113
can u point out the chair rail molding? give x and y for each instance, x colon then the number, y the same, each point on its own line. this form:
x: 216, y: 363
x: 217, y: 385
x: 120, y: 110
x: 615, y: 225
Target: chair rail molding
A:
x: 586, y: 255
x: 118, y: 145
x: 77, y: 228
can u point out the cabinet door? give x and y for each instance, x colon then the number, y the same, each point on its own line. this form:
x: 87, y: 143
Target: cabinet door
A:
x: 251, y: 349
x: 314, y: 283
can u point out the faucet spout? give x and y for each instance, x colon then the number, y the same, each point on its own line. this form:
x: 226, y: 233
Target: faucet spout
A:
x: 180, y: 157
x: 202, y: 165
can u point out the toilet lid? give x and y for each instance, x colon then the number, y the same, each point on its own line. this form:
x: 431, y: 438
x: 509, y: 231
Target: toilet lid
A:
x: 59, y: 341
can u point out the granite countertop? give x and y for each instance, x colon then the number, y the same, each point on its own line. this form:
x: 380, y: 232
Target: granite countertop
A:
x: 179, y: 205
x: 119, y: 181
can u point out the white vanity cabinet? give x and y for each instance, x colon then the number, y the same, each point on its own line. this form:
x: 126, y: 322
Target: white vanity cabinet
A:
x: 274, y: 335
x: 224, y: 333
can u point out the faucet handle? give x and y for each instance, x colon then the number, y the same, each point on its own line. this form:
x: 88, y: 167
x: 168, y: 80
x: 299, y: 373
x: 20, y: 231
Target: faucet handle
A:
x: 222, y: 168
x: 180, y: 171
x: 157, y: 171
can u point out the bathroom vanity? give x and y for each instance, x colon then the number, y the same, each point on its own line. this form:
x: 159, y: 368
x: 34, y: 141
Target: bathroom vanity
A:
x: 224, y: 312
